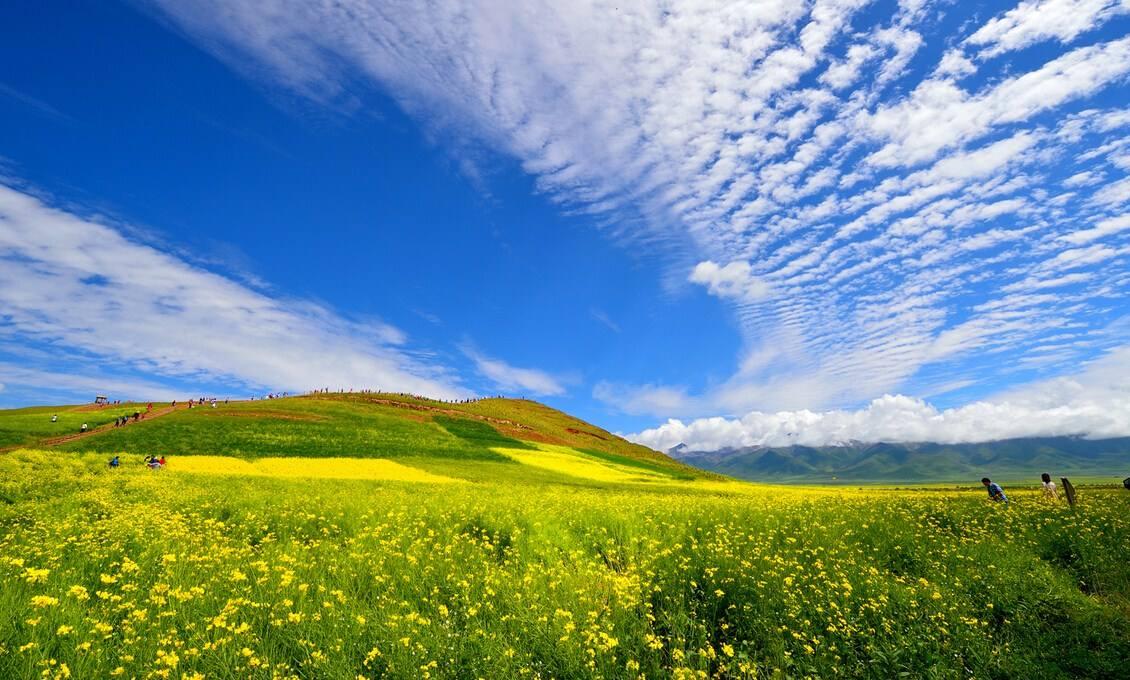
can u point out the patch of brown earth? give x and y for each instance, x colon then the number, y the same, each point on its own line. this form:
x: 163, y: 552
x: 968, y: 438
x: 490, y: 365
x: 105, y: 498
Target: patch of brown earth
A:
x: 573, y: 430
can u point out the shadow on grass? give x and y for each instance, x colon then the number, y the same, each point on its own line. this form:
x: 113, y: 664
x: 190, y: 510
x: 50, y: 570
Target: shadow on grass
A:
x: 638, y: 464
x: 479, y: 433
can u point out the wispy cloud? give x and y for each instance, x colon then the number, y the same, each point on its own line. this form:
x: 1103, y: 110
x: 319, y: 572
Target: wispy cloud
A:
x: 38, y: 105
x: 81, y: 287
x: 1032, y: 22
x: 512, y: 378
x: 602, y: 316
x: 903, y: 204
x: 87, y: 383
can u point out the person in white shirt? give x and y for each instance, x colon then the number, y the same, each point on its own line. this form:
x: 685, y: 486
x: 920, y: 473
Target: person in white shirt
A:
x: 1049, y: 487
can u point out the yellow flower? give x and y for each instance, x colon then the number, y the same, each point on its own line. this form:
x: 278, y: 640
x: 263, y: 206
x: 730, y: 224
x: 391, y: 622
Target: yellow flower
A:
x: 33, y: 575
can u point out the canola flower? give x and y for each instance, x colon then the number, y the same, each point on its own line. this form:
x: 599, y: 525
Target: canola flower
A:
x: 567, y: 461
x: 132, y: 574
x: 311, y: 468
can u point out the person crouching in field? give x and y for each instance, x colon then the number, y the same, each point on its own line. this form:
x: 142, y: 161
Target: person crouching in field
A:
x: 1048, y: 486
x: 996, y: 493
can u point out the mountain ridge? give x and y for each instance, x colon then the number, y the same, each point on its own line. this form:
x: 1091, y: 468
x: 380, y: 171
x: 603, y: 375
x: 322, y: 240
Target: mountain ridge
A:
x: 1017, y: 458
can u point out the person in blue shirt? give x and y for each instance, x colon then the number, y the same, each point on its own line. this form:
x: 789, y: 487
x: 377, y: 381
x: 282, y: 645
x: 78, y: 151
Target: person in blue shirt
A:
x: 114, y: 462
x: 996, y: 493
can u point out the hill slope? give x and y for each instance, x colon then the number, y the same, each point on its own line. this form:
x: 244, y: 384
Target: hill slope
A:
x: 433, y: 435
x: 1014, y: 459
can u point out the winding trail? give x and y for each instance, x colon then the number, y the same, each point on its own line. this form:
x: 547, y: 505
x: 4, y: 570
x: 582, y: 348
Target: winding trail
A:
x: 157, y: 413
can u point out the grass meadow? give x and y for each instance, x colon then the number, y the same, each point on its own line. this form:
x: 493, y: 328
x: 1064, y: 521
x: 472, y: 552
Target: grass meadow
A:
x: 491, y: 566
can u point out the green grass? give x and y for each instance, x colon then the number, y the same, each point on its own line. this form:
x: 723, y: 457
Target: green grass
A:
x: 20, y: 427
x: 636, y: 463
x: 375, y: 425
x: 292, y: 427
x: 169, y: 575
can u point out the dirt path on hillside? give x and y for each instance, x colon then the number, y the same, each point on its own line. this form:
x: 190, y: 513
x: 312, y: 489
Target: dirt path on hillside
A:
x: 55, y: 441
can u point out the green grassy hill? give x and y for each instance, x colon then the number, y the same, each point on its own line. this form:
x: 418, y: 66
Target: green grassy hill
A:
x: 433, y: 435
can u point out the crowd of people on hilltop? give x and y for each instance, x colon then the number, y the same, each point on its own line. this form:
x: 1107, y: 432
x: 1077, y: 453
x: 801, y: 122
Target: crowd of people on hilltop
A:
x: 409, y: 395
x: 270, y: 395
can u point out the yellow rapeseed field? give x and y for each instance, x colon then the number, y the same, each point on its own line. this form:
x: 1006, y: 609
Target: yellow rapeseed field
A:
x: 566, y: 461
x: 130, y: 573
x: 312, y: 468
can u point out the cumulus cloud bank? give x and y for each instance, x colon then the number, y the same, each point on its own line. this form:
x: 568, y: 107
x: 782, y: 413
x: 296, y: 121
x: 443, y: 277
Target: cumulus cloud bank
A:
x: 80, y: 287
x: 1095, y: 403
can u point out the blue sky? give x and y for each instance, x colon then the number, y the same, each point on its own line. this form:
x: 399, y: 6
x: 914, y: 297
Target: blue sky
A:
x: 722, y: 224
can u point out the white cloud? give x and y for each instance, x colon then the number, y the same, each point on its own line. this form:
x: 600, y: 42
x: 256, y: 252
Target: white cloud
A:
x: 80, y: 286
x: 602, y: 316
x: 1082, y: 179
x: 955, y: 64
x: 1095, y: 403
x: 1106, y: 227
x: 1114, y: 194
x: 643, y: 399
x: 734, y: 280
x: 939, y: 115
x: 842, y: 73
x: 514, y: 379
x: 91, y: 383
x: 1032, y: 22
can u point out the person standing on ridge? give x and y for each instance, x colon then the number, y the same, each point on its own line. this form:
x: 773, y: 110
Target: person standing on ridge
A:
x: 996, y: 493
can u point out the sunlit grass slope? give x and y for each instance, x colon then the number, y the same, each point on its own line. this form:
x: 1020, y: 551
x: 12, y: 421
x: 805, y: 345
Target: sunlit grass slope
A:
x: 373, y: 426
x: 135, y: 573
x: 23, y: 426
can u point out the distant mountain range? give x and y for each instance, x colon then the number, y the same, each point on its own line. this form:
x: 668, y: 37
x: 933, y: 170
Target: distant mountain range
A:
x: 1012, y: 459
